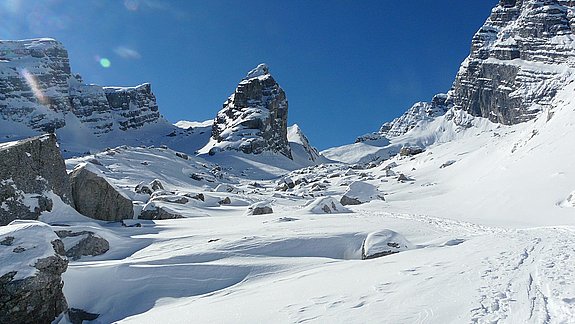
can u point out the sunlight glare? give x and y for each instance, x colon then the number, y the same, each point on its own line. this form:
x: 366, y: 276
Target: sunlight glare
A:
x: 34, y: 86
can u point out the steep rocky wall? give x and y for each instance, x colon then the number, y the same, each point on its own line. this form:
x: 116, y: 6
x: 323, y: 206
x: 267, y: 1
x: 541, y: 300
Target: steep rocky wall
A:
x: 518, y: 61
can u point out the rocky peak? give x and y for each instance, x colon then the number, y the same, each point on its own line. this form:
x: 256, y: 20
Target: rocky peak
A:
x: 254, y: 118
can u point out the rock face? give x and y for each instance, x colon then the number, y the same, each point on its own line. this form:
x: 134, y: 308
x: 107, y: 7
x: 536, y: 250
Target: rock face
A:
x: 95, y: 197
x: 517, y: 61
x: 31, y: 267
x: 29, y: 170
x: 38, y: 89
x: 254, y: 118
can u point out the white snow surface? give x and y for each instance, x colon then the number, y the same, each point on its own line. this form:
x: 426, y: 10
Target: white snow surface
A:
x: 492, y: 238
x: 492, y: 232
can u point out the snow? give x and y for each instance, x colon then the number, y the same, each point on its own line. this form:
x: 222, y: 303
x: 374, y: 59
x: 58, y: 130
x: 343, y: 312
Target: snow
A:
x: 363, y: 192
x: 384, y: 242
x: 32, y: 236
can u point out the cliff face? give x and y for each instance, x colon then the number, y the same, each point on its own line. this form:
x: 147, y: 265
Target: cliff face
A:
x: 519, y: 59
x: 38, y: 90
x: 254, y: 118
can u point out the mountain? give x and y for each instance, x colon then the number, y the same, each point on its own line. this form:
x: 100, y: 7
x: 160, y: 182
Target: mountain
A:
x: 520, y: 59
x: 254, y: 118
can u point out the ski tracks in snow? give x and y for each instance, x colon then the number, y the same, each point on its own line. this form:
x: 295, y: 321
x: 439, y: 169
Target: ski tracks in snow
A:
x: 532, y: 281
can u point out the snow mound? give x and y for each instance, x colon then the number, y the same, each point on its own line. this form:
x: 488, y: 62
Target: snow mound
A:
x: 382, y: 243
x: 326, y: 205
x: 360, y: 192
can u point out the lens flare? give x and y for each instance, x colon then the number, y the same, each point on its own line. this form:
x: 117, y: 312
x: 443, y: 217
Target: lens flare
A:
x: 34, y: 86
x: 105, y: 63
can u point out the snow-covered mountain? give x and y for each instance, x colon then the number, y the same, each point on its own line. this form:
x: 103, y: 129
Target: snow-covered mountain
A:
x: 460, y: 211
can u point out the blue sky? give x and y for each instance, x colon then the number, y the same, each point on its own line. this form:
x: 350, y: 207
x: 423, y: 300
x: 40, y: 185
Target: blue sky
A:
x: 346, y: 66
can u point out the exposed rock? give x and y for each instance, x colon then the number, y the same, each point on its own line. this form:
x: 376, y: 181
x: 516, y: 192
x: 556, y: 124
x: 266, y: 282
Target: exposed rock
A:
x: 225, y: 201
x: 90, y: 245
x: 403, y: 178
x: 410, y: 151
x: 260, y: 208
x: 182, y: 155
x: 29, y: 169
x: 95, y: 197
x: 447, y: 163
x: 360, y: 192
x: 382, y: 243
x: 31, y: 282
x: 326, y: 205
x: 300, y: 145
x: 254, y: 118
x: 78, y: 316
x: 153, y: 211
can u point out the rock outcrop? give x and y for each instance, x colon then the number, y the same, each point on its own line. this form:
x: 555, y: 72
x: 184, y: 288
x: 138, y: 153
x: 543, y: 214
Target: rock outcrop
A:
x: 82, y: 243
x: 38, y: 90
x: 31, y: 267
x: 30, y: 170
x: 254, y: 118
x: 95, y: 197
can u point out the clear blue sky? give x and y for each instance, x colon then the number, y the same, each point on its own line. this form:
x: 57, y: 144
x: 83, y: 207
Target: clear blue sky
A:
x: 346, y: 66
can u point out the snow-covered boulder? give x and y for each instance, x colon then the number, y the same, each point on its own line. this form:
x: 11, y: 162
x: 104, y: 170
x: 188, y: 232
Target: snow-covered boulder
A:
x: 31, y: 267
x: 382, y: 243
x: 95, y: 197
x: 30, y: 171
x: 260, y: 208
x: 157, y: 211
x: 360, y: 192
x: 326, y: 205
x: 82, y: 243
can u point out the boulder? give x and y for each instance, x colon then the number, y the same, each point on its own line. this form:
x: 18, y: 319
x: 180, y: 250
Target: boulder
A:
x: 260, y: 208
x: 95, y: 197
x: 83, y: 243
x: 382, y: 243
x: 326, y: 205
x: 31, y: 267
x: 360, y: 192
x: 154, y: 211
x: 29, y: 170
x: 410, y: 151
